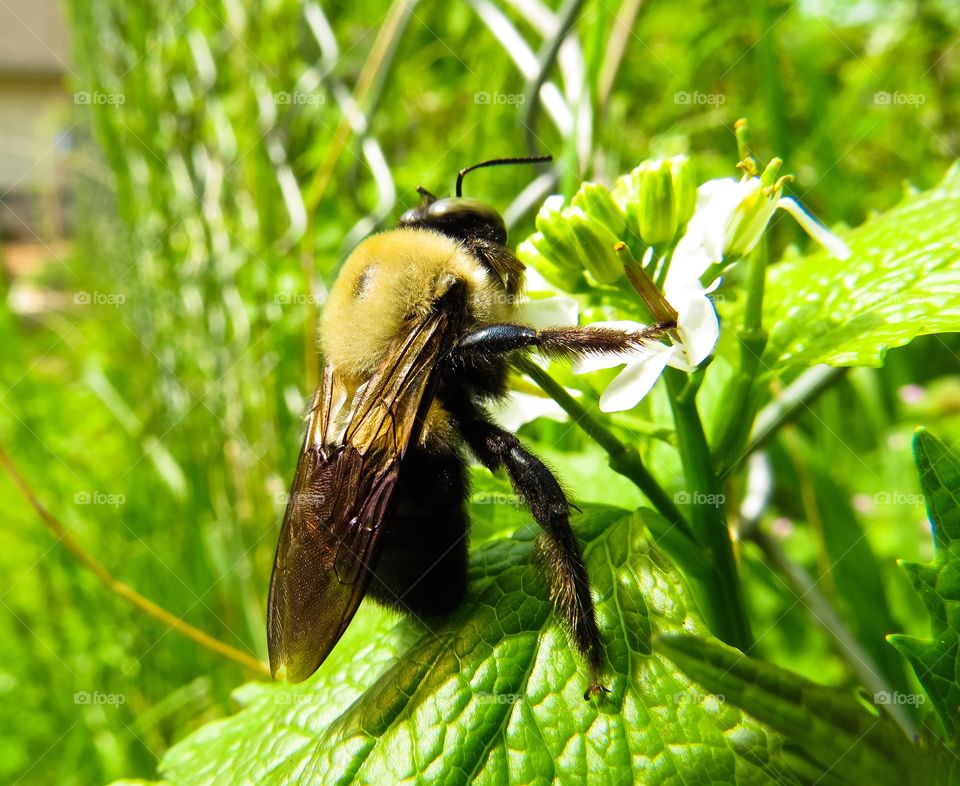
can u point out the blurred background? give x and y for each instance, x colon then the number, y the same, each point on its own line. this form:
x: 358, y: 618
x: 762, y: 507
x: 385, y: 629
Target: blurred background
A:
x: 178, y: 183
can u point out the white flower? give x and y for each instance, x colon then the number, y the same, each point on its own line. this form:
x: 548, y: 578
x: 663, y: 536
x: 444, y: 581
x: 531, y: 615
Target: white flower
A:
x: 519, y: 408
x: 732, y: 215
x: 548, y: 312
x: 698, y: 330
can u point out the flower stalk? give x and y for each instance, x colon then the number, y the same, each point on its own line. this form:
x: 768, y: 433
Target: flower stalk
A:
x: 735, y: 418
x: 723, y: 606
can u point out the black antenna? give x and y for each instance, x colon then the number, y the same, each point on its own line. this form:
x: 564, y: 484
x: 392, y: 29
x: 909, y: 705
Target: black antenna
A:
x: 498, y: 162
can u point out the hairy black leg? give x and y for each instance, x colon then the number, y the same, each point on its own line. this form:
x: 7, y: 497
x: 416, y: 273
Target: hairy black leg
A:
x: 567, y: 341
x: 540, y: 491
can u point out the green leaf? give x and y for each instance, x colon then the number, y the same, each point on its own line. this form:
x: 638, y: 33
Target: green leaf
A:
x: 832, y: 729
x: 137, y: 782
x: 936, y: 660
x: 902, y: 281
x: 494, y: 695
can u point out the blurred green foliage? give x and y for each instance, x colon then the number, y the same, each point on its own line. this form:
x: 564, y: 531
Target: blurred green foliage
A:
x: 217, y: 199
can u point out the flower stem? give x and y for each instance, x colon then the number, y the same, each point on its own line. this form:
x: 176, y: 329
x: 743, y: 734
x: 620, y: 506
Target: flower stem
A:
x: 736, y: 417
x: 723, y: 607
x: 624, y: 459
x: 756, y: 279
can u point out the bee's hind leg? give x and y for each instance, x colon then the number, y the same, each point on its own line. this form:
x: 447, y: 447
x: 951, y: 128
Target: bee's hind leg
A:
x: 562, y: 558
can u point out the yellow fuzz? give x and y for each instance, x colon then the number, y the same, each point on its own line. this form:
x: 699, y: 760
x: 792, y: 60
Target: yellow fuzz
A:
x: 390, y: 277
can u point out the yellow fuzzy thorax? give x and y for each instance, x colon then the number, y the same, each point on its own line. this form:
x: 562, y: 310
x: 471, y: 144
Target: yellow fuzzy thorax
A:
x: 388, y: 278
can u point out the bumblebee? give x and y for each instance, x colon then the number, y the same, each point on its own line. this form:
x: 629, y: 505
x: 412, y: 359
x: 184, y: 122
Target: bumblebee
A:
x: 418, y: 335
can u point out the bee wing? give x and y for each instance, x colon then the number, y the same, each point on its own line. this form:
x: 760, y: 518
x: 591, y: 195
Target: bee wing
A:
x: 341, y: 493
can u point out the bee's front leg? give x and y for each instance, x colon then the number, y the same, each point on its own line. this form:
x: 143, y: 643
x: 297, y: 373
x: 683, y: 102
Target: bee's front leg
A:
x: 502, y: 338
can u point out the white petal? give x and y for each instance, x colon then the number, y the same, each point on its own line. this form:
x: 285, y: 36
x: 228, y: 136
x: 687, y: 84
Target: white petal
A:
x: 634, y: 382
x: 549, y: 312
x: 519, y: 408
x: 553, y: 203
x: 682, y: 285
x: 814, y: 228
x: 535, y: 282
x: 717, y: 200
x: 706, y: 231
x: 714, y: 285
x: 724, y: 193
x: 697, y: 326
x: 678, y: 360
x: 689, y: 262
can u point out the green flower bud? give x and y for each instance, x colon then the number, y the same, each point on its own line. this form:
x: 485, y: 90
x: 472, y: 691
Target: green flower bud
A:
x: 666, y: 196
x: 625, y: 195
x: 596, y: 246
x: 564, y: 278
x: 597, y: 202
x: 556, y: 241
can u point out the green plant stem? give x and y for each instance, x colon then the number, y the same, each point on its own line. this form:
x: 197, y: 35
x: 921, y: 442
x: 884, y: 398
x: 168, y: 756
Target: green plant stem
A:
x: 624, y: 459
x: 736, y: 419
x: 756, y: 278
x: 724, y: 607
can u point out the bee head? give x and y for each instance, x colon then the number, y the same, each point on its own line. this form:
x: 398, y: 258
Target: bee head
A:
x: 462, y: 218
x: 459, y: 218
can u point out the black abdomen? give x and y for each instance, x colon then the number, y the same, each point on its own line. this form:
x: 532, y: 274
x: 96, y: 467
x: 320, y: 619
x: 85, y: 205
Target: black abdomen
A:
x: 422, y: 568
